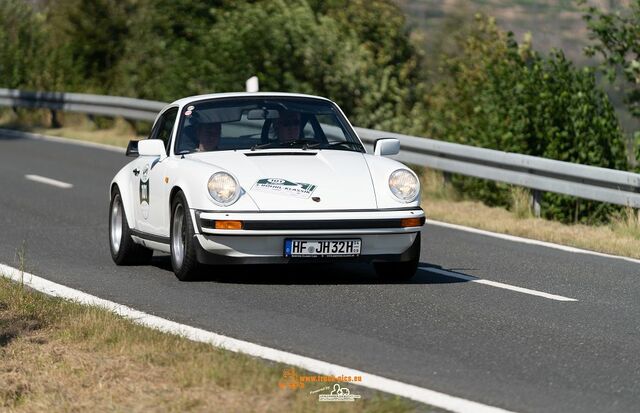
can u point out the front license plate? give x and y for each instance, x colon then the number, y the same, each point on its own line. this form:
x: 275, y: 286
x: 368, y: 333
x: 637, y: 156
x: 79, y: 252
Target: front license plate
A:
x: 322, y: 247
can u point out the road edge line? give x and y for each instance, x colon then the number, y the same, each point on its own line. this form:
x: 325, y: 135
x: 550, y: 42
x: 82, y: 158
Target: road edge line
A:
x: 497, y: 284
x: 372, y: 381
x: 58, y: 139
x: 530, y: 241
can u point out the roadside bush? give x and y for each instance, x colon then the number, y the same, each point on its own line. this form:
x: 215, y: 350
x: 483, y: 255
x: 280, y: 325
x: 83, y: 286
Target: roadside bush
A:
x: 616, y: 39
x: 340, y: 49
x: 499, y: 94
x: 21, y: 42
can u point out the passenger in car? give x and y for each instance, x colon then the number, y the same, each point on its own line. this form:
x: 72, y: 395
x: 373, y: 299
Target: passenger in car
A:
x: 208, y: 136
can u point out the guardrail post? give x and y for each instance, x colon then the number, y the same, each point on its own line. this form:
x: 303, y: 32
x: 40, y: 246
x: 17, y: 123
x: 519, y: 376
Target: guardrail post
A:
x: 55, y: 122
x: 536, y: 198
x: 446, y: 177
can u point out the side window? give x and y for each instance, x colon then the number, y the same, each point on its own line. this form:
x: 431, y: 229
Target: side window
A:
x: 165, y: 126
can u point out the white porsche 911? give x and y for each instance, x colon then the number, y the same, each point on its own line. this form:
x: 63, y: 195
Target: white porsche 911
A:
x: 263, y: 178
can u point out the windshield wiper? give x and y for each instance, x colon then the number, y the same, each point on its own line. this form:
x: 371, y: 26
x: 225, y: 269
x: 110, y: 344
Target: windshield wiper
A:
x: 264, y: 145
x: 306, y: 144
x: 333, y: 145
x: 183, y: 152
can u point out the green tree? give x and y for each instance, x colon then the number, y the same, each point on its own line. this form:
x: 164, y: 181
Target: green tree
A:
x: 21, y: 43
x: 616, y: 37
x: 501, y: 95
x: 165, y: 55
x: 321, y: 49
x: 93, y: 35
x: 354, y: 51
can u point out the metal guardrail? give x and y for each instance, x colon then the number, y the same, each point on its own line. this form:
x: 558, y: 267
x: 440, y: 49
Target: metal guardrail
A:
x: 129, y: 108
x: 538, y: 174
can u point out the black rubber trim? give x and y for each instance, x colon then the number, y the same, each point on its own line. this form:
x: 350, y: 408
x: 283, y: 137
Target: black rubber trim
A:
x: 314, y: 224
x: 324, y: 224
x: 280, y: 153
x: 288, y: 211
x: 150, y: 237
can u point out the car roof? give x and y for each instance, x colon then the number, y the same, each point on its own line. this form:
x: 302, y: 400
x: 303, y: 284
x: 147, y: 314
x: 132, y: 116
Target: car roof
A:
x: 189, y: 99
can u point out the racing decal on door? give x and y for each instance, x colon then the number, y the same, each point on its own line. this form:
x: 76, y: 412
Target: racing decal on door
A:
x: 144, y: 192
x: 280, y: 186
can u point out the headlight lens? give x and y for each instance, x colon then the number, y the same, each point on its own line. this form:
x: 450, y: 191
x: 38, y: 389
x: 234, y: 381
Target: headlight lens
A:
x: 404, y: 185
x: 223, y: 188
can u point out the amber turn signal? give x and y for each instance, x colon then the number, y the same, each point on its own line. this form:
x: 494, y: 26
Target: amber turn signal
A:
x: 228, y: 224
x: 411, y: 222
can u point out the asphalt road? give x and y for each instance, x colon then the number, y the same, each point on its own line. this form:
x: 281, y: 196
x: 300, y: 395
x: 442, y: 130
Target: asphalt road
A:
x: 491, y: 345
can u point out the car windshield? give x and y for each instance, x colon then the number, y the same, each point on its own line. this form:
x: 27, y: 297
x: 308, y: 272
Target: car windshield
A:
x: 263, y: 123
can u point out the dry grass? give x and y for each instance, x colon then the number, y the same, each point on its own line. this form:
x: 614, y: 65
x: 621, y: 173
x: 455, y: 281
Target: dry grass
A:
x: 620, y: 237
x: 117, y: 132
x: 521, y: 202
x: 61, y: 356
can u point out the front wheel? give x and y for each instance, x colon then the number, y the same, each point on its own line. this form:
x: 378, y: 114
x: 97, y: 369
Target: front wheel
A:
x: 123, y: 250
x: 400, y: 271
x: 183, y: 251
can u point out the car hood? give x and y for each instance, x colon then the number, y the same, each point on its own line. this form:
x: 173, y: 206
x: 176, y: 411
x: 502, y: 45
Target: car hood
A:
x: 298, y: 180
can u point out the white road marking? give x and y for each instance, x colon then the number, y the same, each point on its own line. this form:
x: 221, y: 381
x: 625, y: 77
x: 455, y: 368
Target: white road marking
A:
x: 496, y: 284
x: 530, y: 241
x: 48, y: 181
x: 372, y: 381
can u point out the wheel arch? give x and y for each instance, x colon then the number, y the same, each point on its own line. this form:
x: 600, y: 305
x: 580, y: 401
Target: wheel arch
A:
x: 172, y: 195
x: 127, y: 201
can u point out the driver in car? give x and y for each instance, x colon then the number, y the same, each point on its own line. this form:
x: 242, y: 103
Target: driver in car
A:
x: 287, y: 126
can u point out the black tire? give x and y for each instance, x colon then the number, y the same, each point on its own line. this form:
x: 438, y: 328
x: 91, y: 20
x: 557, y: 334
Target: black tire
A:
x: 123, y: 250
x: 400, y: 271
x: 182, y: 240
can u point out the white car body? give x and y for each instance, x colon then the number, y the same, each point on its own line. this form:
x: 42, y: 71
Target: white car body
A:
x: 348, y: 197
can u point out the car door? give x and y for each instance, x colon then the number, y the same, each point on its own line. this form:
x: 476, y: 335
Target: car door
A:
x: 150, y: 186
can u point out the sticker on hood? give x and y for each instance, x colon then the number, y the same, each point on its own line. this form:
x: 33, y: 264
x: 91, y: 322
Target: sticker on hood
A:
x: 280, y: 186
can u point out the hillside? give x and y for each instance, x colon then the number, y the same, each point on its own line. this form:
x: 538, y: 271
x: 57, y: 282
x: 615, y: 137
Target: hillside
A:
x: 552, y: 24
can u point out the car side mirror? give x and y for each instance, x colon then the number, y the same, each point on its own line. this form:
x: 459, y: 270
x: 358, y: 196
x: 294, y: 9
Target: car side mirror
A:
x: 132, y: 149
x: 386, y: 147
x: 152, y: 147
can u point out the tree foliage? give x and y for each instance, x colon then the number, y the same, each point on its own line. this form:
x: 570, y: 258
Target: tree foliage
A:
x: 21, y: 42
x: 616, y: 37
x: 505, y: 96
x: 292, y: 47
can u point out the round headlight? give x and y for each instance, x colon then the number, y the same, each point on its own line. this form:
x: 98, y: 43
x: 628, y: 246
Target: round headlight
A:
x: 223, y: 188
x: 404, y: 185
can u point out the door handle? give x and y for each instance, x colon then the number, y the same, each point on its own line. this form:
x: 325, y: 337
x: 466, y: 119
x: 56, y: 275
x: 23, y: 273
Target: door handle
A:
x: 136, y: 171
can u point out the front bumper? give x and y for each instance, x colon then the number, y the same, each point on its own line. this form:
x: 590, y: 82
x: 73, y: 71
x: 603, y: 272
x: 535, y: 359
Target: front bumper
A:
x: 262, y: 240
